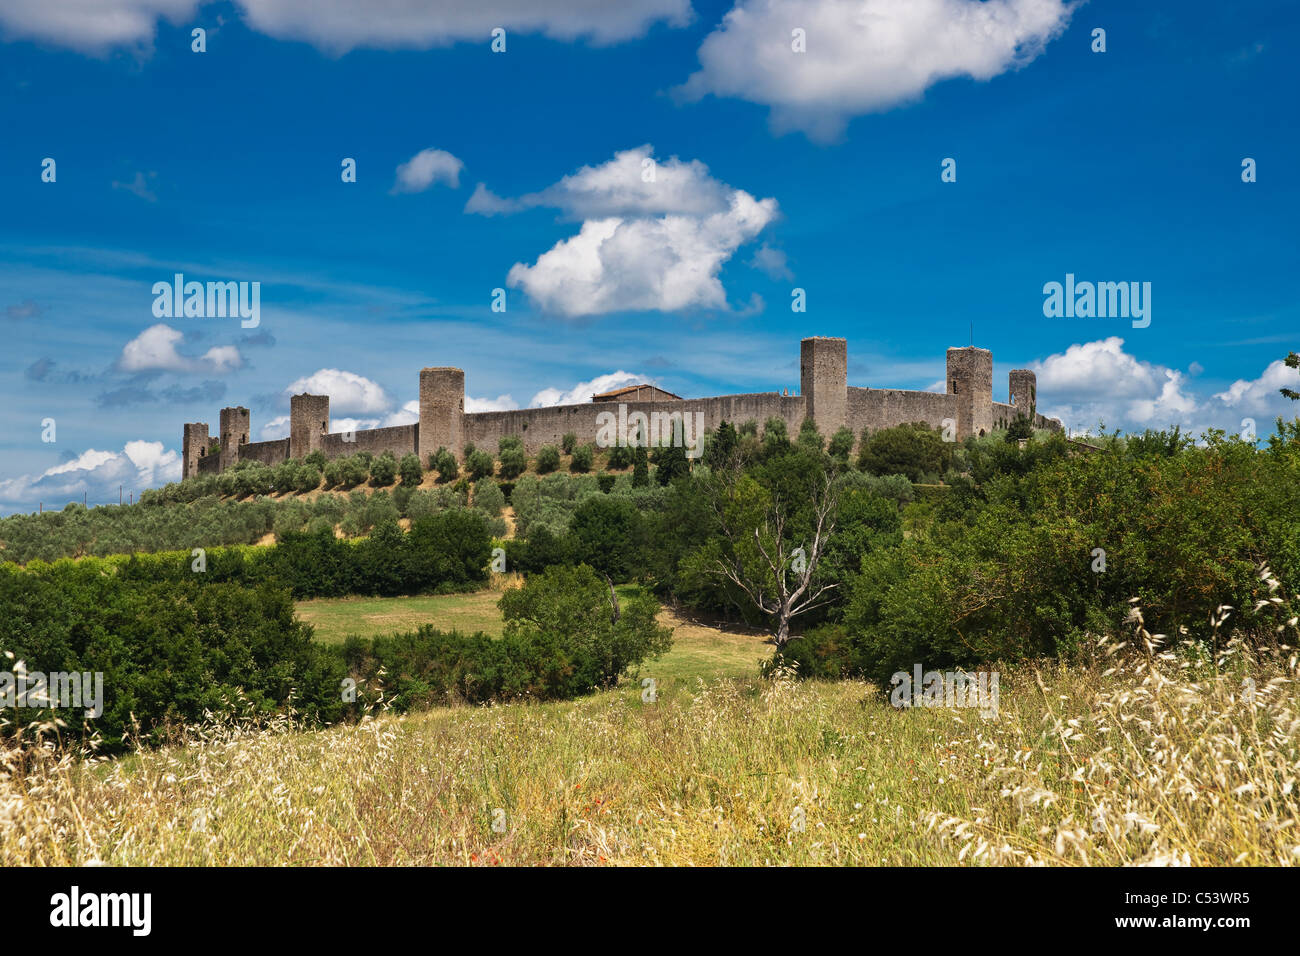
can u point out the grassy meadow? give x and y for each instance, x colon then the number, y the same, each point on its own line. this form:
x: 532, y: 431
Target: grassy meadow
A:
x: 1137, y: 757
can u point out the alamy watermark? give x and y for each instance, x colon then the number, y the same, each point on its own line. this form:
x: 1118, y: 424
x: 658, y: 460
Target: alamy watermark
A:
x: 212, y: 300
x: 946, y: 689
x: 651, y: 430
x: 56, y: 690
x: 1098, y: 300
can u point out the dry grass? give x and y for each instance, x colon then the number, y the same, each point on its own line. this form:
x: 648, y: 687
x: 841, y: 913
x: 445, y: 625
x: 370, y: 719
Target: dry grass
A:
x: 1147, y: 758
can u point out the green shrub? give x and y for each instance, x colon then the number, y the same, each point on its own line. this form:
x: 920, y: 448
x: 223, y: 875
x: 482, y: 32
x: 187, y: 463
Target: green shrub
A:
x: 581, y: 461
x: 383, y: 470
x: 480, y: 465
x: 410, y: 471
x: 548, y: 459
x: 568, y: 442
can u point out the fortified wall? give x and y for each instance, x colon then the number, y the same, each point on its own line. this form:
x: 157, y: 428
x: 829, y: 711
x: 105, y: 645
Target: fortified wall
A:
x: 825, y: 396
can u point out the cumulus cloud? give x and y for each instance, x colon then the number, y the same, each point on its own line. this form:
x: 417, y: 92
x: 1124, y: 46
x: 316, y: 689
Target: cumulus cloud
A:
x: 341, y: 25
x: 154, y: 350
x: 425, y: 168
x: 95, y: 474
x: 502, y: 403
x: 91, y: 25
x: 863, y: 56
x: 1099, y: 381
x: 347, y: 391
x: 275, y: 429
x: 582, y: 392
x: 654, y: 237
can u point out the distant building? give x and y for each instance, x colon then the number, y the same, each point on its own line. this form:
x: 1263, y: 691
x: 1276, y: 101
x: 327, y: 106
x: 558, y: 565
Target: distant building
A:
x: 637, y: 393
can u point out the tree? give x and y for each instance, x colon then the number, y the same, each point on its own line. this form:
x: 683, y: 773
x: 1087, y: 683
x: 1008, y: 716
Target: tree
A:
x: 581, y: 461
x: 479, y: 464
x: 913, y: 450
x: 670, y: 463
x: 640, y: 467
x: 383, y: 470
x: 1021, y: 427
x: 548, y: 459
x: 569, y: 442
x: 721, y: 445
x: 1292, y: 361
x: 444, y: 463
x: 841, y: 444
x: 410, y: 470
x: 762, y: 556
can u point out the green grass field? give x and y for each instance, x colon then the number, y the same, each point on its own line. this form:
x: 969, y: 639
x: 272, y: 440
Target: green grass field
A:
x: 698, y: 652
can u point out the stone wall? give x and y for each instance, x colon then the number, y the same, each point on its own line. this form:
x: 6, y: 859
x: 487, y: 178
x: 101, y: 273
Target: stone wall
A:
x: 877, y: 408
x: 398, y: 439
x: 826, y: 397
x: 536, y: 427
x: 267, y: 452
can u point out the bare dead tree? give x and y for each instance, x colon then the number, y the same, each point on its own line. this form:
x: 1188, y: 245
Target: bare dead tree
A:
x: 777, y: 578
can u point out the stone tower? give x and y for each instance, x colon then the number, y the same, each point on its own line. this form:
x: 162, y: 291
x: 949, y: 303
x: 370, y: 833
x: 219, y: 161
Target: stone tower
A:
x: 309, y: 419
x: 970, y: 379
x: 194, y: 445
x: 234, y: 432
x: 824, y: 382
x: 1023, y: 392
x: 442, y: 405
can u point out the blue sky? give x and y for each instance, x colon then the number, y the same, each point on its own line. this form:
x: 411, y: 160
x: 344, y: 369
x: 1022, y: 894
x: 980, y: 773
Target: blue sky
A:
x: 775, y: 170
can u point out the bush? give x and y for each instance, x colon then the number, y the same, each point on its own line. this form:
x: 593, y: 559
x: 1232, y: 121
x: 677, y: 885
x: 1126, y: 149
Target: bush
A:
x: 444, y: 463
x: 573, y: 607
x: 488, y: 497
x: 170, y: 650
x: 383, y: 470
x: 581, y: 461
x: 513, y: 461
x: 606, y: 533
x: 620, y: 457
x: 569, y: 442
x: 480, y: 465
x: 548, y: 459
x: 409, y: 469
x: 911, y: 450
x: 841, y: 445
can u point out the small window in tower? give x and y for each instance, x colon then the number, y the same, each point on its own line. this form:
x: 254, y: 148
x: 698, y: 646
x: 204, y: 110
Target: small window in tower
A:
x: 244, y: 440
x: 323, y: 426
x: 953, y: 390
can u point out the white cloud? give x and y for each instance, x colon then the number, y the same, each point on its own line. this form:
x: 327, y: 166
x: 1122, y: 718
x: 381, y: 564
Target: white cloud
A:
x: 96, y: 474
x: 484, y: 202
x: 275, y: 429
x: 408, y: 414
x: 1262, y: 396
x: 502, y: 403
x: 341, y: 25
x: 425, y: 168
x: 655, y: 246
x: 582, y: 392
x: 864, y: 56
x: 91, y: 24
x: 1100, y: 382
x: 353, y: 424
x: 154, y: 349
x: 347, y: 391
